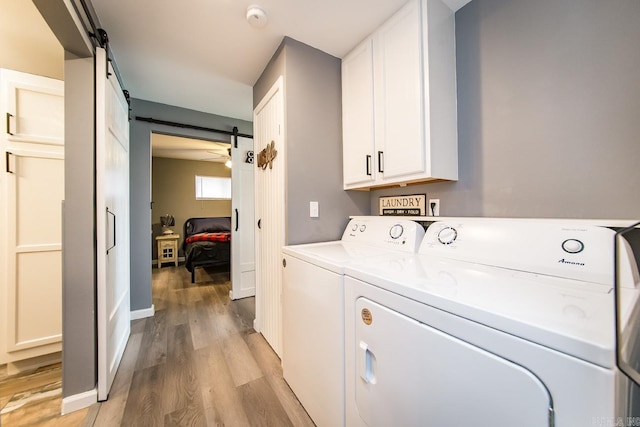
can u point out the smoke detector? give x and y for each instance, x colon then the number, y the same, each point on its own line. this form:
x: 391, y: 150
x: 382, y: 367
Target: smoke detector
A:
x: 256, y: 17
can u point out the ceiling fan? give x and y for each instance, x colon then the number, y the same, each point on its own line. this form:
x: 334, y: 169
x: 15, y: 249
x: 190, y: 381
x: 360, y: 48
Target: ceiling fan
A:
x: 217, y: 155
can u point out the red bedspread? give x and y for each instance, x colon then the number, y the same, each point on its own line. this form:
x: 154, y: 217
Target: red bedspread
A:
x: 209, y: 237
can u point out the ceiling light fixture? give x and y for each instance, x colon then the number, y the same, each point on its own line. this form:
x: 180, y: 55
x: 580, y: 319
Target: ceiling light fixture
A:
x: 256, y: 17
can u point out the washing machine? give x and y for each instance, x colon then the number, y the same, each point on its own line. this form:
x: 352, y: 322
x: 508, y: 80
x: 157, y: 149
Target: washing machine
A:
x: 493, y: 323
x: 313, y: 308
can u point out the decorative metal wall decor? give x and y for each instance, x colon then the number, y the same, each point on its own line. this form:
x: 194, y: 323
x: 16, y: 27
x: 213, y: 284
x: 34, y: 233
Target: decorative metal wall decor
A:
x: 267, y: 155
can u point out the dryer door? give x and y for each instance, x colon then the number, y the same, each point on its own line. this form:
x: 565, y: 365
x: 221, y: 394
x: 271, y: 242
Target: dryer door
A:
x: 410, y: 374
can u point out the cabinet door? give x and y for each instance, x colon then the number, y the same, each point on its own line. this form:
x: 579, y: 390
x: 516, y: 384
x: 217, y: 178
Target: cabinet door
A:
x: 399, y: 95
x: 357, y: 116
x: 31, y: 194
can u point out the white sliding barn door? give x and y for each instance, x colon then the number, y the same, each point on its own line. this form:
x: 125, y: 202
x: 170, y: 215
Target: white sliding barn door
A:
x: 112, y: 222
x: 243, y: 266
x: 268, y: 126
x: 31, y: 194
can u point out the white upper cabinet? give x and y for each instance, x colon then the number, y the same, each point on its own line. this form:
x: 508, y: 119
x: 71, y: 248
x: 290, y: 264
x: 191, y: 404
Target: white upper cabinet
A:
x: 357, y: 115
x: 399, y: 101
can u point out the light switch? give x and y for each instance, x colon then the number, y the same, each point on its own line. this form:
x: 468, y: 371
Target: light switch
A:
x: 313, y: 210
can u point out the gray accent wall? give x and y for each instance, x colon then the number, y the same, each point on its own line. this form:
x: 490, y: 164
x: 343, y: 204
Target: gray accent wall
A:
x: 140, y: 178
x: 313, y: 134
x: 548, y: 111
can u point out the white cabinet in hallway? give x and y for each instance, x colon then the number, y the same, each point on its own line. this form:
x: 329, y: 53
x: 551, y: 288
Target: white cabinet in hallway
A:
x: 31, y: 194
x: 399, y: 100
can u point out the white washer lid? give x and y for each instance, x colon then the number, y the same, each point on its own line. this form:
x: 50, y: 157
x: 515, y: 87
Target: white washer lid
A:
x: 333, y: 256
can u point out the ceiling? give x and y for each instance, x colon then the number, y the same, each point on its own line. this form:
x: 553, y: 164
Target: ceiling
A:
x: 203, y: 54
x: 175, y: 147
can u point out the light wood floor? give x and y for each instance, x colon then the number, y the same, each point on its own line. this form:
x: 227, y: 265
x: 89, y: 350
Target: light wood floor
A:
x: 197, y: 362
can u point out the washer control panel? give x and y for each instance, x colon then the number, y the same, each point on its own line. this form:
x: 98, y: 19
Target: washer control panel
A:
x: 569, y: 250
x: 393, y: 233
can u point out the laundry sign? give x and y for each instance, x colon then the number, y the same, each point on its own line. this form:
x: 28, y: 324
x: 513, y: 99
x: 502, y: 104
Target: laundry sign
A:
x: 411, y: 205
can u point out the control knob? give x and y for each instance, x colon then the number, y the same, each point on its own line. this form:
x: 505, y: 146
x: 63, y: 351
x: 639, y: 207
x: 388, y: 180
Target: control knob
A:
x: 396, y: 231
x: 447, y: 235
x: 572, y: 246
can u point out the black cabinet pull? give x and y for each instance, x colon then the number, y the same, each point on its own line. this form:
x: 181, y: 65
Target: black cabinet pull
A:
x: 380, y: 161
x: 9, y: 115
x: 368, y: 164
x: 7, y: 159
x: 236, y: 219
x: 260, y: 224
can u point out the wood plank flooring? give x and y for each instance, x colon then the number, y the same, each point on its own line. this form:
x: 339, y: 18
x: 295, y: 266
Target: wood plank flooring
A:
x: 197, y: 362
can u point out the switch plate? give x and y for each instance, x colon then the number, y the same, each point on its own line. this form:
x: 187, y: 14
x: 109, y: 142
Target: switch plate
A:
x: 436, y: 207
x: 314, y: 210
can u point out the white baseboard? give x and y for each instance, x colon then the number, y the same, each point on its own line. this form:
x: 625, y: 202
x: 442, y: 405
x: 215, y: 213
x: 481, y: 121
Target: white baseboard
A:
x: 79, y: 401
x: 145, y: 312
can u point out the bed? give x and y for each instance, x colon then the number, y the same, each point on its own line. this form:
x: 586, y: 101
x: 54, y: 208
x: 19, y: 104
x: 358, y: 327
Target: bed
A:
x: 207, y: 243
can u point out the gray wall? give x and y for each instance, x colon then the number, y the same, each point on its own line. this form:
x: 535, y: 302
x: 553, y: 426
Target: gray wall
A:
x: 140, y: 178
x: 313, y: 120
x: 548, y: 111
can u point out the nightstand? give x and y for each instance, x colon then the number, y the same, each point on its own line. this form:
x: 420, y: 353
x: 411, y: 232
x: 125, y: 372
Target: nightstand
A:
x: 167, y: 248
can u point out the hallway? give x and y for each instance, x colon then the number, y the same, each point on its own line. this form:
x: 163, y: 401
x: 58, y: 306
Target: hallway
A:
x: 197, y: 362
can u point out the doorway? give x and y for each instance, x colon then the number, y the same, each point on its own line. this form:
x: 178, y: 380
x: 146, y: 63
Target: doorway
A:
x: 188, y: 181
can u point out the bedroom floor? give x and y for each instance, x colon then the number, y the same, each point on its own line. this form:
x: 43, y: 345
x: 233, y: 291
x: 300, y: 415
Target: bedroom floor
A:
x: 197, y: 362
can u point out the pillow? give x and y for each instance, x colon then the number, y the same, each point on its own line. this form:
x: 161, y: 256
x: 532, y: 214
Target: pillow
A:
x: 207, y: 225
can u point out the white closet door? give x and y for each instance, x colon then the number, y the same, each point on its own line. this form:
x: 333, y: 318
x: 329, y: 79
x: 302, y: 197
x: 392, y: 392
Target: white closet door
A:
x: 268, y: 125
x: 112, y: 218
x: 243, y: 265
x: 32, y: 190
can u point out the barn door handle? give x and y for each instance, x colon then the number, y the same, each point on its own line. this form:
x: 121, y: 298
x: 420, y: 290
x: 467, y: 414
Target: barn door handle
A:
x: 260, y: 223
x: 114, y: 230
x: 236, y: 219
x: 368, y: 164
x: 9, y: 115
x: 7, y: 159
x: 380, y: 161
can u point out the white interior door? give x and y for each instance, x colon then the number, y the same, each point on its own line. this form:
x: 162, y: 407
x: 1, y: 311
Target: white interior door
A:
x: 112, y: 222
x: 32, y: 187
x: 243, y: 266
x: 268, y: 122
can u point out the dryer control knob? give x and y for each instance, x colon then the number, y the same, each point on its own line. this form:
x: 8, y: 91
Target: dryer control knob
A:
x: 572, y: 246
x: 447, y: 235
x: 362, y: 228
x: 354, y: 227
x: 396, y: 231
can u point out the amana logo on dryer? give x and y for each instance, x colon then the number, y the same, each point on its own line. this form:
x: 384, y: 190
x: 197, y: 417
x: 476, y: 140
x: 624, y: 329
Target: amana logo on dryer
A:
x: 564, y: 261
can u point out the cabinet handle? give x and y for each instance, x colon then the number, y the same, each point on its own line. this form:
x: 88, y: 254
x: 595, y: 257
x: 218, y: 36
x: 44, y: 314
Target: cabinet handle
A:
x: 7, y: 159
x: 260, y: 224
x: 380, y: 161
x: 236, y: 219
x: 368, y: 164
x: 9, y: 115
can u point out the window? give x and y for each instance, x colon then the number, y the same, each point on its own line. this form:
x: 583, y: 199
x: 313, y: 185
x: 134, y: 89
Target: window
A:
x: 212, y: 188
